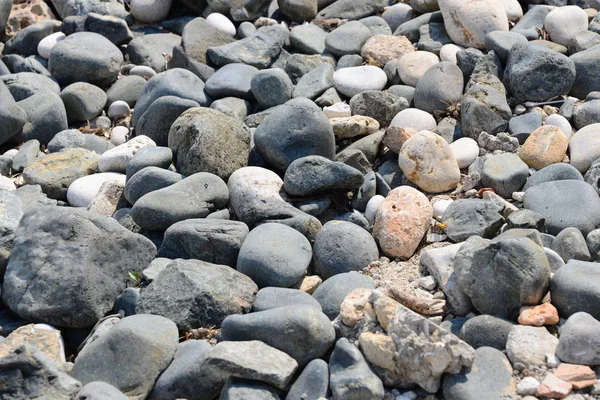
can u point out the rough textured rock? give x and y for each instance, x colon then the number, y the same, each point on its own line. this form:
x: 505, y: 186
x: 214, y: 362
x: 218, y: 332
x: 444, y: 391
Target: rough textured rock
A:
x: 468, y: 217
x: 529, y: 345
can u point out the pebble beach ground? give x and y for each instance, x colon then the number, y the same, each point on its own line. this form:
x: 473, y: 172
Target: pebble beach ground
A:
x: 300, y: 199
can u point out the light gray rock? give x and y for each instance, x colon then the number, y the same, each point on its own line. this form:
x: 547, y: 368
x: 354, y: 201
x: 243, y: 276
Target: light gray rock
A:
x: 148, y: 180
x: 331, y: 293
x: 153, y: 50
x: 100, y: 391
x: 575, y: 288
x: 580, y: 340
x: 274, y: 297
x: 529, y: 345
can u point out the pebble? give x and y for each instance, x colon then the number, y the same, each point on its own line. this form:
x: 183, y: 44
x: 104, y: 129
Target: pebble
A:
x: 118, y: 109
x: 564, y: 23
x: 527, y: 386
x: 337, y: 110
x: 119, y: 135
x: 83, y: 190
x: 221, y: 22
x: 142, y: 71
x: 46, y: 44
x: 414, y: 118
x: 465, y: 151
x: 150, y: 11
x: 384, y: 48
x: 354, y: 80
x: 372, y: 207
x: 412, y: 66
x: 529, y: 345
x: 116, y: 159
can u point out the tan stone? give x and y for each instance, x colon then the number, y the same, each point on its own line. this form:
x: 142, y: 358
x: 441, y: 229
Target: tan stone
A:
x: 109, y: 199
x: 385, y: 308
x: 544, y: 314
x: 356, y: 306
x: 412, y: 66
x: 378, y: 348
x: 310, y: 283
x: 384, y: 48
x: 357, y: 125
x: 545, y: 146
x: 554, y: 387
x: 395, y: 136
x: 25, y: 13
x: 401, y: 222
x: 48, y: 341
x: 580, y: 376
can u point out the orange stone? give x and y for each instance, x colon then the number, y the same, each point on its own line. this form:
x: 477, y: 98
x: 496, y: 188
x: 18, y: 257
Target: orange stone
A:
x: 544, y: 314
x: 401, y: 222
x: 580, y: 376
x: 545, y: 146
x: 554, y: 387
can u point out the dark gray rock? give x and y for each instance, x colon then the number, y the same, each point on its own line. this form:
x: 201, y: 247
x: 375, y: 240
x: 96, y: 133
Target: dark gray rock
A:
x: 73, y: 138
x: 5, y: 165
x: 245, y: 29
x: 505, y: 173
x: 300, y: 64
x: 32, y: 197
x: 555, y: 199
x: 367, y: 190
x: 151, y: 156
x: 501, y: 42
x: 298, y: 10
x: 312, y: 383
x: 12, y: 117
x: 489, y: 378
x: 104, y: 358
x: 127, y: 89
x: 350, y: 375
x: 381, y: 106
x: 196, y: 294
x: 468, y: 217
x: 178, y: 380
x: 331, y: 293
x: 241, y: 389
x: 160, y: 116
x: 85, y: 57
x: 315, y: 174
x: 505, y: 275
x: 351, y: 9
x: 486, y: 330
x: 308, y: 39
x: 25, y: 84
x: 586, y: 114
x: 193, y: 197
x: 100, y: 391
x: 586, y: 69
x: 148, y: 180
x: 593, y: 243
x: 16, y: 64
x: 301, y: 331
x: 11, y: 211
x: 525, y: 219
x: 343, y: 247
x: 272, y: 87
x: 46, y: 116
x: 583, y: 40
x: 83, y: 266
x: 314, y: 83
x: 83, y: 101
x: 575, y: 288
x: 211, y: 36
x: 274, y: 255
x: 232, y: 80
x: 26, y: 372
x: 535, y: 73
x: 554, y: 172
x: 206, y: 140
x: 570, y: 244
x: 348, y: 38
x: 348, y: 61
x: 439, y: 88
x: 113, y: 28
x: 411, y: 28
x: 26, y: 155
x: 299, y: 129
x: 258, y: 50
x: 522, y: 126
x: 432, y: 37
x: 180, y: 59
x: 274, y: 297
x: 126, y: 302
x: 26, y: 40
x: 328, y: 98
x: 218, y: 242
x: 66, y: 8
x: 153, y: 50
x: 532, y: 20
x: 233, y: 107
x: 174, y: 82
x: 579, y: 341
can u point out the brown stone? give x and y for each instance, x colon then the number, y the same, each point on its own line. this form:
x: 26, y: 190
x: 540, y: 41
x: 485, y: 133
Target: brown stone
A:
x: 109, y: 199
x: 395, y: 137
x: 580, y: 376
x: 357, y: 125
x: 310, y: 283
x: 48, y: 341
x: 25, y: 13
x: 554, y: 387
x: 378, y: 349
x: 385, y: 308
x: 401, y: 222
x: 384, y: 48
x: 544, y: 314
x: 547, y: 145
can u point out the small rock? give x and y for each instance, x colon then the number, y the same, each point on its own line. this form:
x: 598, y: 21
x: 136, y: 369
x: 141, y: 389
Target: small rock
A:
x: 553, y: 387
x: 505, y: 173
x: 384, y: 48
x: 465, y: 151
x: 414, y: 118
x: 116, y: 160
x: 83, y: 190
x: 545, y: 314
x: 579, y: 340
x: 357, y: 125
x: 413, y: 65
x: 468, y: 217
x: 528, y: 386
x: 564, y: 23
x: 486, y: 331
x: 354, y: 80
x: 529, y: 345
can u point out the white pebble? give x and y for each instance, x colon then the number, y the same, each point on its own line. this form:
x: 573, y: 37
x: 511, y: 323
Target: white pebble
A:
x: 372, y: 206
x: 6, y: 183
x: 562, y: 123
x: 563, y: 24
x: 518, y: 196
x: 118, y: 135
x: 465, y: 150
x: 118, y: 109
x: 552, y: 361
x: 448, y: 52
x: 150, y: 11
x: 439, y: 208
x: 46, y: 44
x: 83, y: 190
x: 414, y: 118
x: 354, y: 80
x: 520, y: 109
x: 222, y: 23
x: 337, y: 110
x: 143, y: 71
x: 427, y: 282
x: 117, y: 158
x: 410, y: 395
x: 528, y: 386
x: 11, y: 153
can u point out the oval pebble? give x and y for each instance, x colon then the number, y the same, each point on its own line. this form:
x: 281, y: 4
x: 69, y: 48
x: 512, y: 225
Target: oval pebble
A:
x: 448, y: 52
x: 46, y: 44
x: 562, y: 123
x: 118, y: 135
x: 6, y: 183
x: 414, y: 118
x: 10, y: 153
x: 354, y: 80
x: 222, y: 23
x: 143, y: 71
x: 149, y: 11
x: 465, y: 150
x: 83, y: 190
x: 372, y: 206
x: 439, y: 208
x: 118, y: 109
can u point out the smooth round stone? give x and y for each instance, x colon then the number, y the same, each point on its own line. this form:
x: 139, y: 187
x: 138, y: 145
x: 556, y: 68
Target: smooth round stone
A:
x: 562, y: 123
x: 412, y: 66
x: 82, y: 191
x: 10, y: 153
x: 398, y: 14
x: 467, y: 22
x: 116, y: 159
x: 274, y: 255
x: 372, y: 206
x: 440, y: 207
x: 119, y: 135
x: 273, y: 297
x: 150, y: 11
x: 465, y: 150
x: 584, y: 147
x: 513, y: 9
x: 563, y: 23
x: 271, y: 87
x: 143, y: 71
x: 118, y: 109
x: 349, y: 38
x: 331, y: 293
x: 232, y: 80
x: 505, y: 173
x: 46, y: 44
x: 6, y: 183
x: 414, y: 118
x: 354, y: 80
x: 440, y: 87
x: 83, y: 101
x: 448, y: 52
x: 221, y: 22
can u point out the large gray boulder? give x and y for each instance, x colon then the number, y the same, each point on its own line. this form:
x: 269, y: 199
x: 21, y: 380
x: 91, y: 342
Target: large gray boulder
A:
x: 575, y: 287
x: 68, y: 265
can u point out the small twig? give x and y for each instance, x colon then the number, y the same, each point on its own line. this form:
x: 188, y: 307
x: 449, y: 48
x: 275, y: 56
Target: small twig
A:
x: 417, y: 304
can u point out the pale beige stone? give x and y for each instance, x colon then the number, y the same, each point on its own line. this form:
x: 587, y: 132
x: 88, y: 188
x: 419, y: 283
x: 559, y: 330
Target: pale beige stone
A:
x: 396, y: 136
x: 545, y: 146
x: 109, y: 199
x: 357, y: 125
x: 48, y: 341
x: 310, y: 283
x: 384, y: 48
x: 378, y: 348
x: 385, y: 309
x: 356, y: 306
